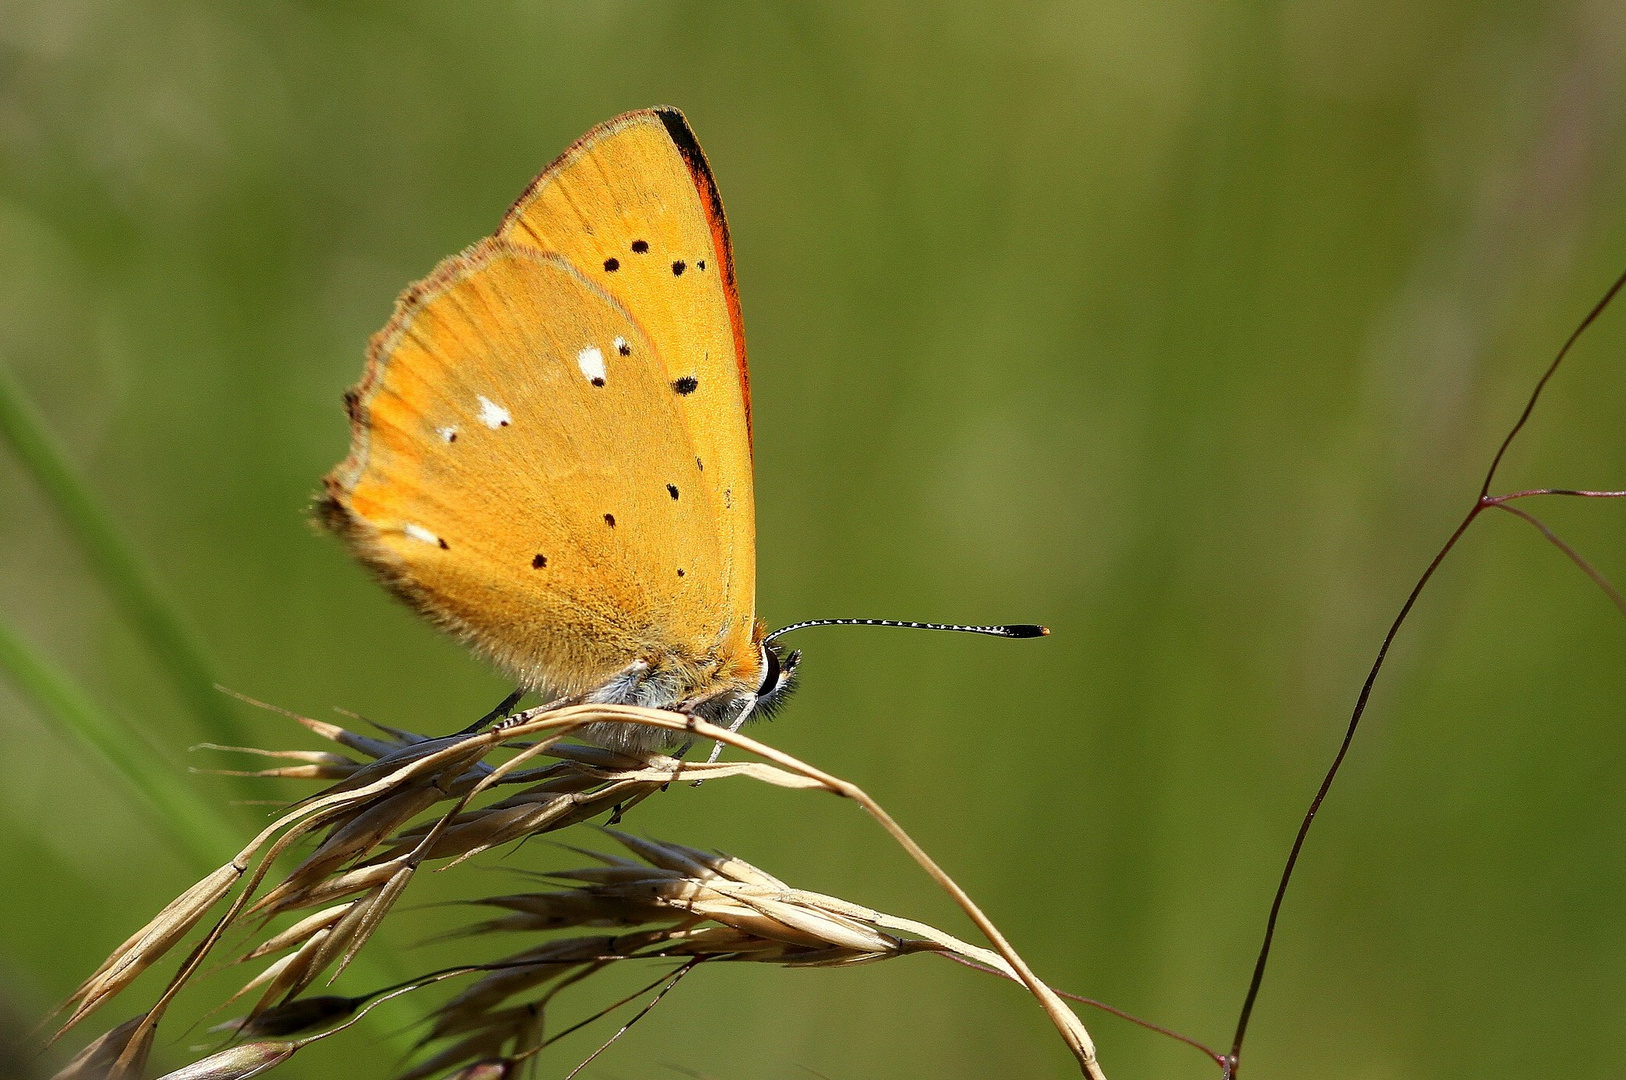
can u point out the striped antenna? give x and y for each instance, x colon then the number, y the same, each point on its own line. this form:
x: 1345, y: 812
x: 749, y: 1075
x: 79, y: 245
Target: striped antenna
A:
x: 1013, y: 630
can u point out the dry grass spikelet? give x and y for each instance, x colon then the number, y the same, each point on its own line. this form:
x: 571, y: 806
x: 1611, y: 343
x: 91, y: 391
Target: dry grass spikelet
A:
x: 397, y: 801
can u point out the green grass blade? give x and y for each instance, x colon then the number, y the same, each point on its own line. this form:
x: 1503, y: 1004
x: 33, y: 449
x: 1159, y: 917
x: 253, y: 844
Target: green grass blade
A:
x: 114, y: 561
x: 195, y: 827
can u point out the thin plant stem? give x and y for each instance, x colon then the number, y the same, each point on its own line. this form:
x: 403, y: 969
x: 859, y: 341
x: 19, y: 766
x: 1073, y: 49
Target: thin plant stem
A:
x: 1497, y: 500
x: 1213, y: 1055
x: 596, y: 1017
x: 1257, y: 979
x: 1482, y: 502
x: 1546, y: 377
x: 368, y: 1003
x: 114, y: 561
x: 1575, y: 557
x: 639, y: 1015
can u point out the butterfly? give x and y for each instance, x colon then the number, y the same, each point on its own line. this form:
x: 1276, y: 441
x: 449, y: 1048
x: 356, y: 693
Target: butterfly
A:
x: 551, y: 445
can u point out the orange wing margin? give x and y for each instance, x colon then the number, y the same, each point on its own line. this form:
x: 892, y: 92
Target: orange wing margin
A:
x: 677, y: 126
x: 633, y: 206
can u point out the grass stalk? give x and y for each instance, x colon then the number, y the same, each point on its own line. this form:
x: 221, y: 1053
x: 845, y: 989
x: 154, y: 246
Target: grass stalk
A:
x: 565, y: 720
x: 114, y: 561
x: 191, y: 824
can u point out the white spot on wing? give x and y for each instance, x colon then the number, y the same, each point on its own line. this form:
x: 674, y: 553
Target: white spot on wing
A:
x: 418, y: 532
x: 493, y: 415
x: 449, y: 434
x: 591, y: 361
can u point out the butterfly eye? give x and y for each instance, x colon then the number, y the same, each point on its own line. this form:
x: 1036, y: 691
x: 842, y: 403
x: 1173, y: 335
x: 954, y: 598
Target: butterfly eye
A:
x: 776, y: 681
x: 770, y: 672
x: 776, y: 673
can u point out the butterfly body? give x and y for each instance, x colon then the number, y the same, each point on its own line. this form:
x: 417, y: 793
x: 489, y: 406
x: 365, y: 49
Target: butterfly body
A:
x: 551, y: 445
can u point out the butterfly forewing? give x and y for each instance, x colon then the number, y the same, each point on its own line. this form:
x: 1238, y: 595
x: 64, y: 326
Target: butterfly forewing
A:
x: 633, y: 206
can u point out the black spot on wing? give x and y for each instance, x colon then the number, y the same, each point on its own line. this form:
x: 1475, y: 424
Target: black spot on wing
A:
x: 624, y: 349
x: 612, y: 265
x: 609, y: 519
x: 700, y: 264
x: 598, y: 382
x: 677, y: 128
x: 539, y: 562
x: 686, y: 385
x: 640, y: 246
x: 671, y: 489
x: 678, y: 268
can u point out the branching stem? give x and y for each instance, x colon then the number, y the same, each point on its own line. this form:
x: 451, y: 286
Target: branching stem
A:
x: 1484, y: 501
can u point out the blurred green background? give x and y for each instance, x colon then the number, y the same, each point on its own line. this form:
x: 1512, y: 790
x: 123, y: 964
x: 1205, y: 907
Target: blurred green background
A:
x: 1184, y: 328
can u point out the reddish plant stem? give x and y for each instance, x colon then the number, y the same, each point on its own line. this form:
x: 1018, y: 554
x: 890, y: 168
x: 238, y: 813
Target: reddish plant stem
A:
x: 1484, y: 501
x: 1575, y: 557
x: 1214, y: 1055
x: 1498, y: 500
x: 639, y: 1015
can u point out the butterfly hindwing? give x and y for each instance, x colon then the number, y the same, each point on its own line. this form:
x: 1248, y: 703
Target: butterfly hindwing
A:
x: 551, y: 445
x: 522, y: 473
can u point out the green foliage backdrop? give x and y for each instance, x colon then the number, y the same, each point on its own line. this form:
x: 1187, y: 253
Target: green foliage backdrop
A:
x: 1185, y: 328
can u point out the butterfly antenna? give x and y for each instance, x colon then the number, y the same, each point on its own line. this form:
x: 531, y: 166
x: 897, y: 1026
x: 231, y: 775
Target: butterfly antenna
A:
x: 1011, y: 630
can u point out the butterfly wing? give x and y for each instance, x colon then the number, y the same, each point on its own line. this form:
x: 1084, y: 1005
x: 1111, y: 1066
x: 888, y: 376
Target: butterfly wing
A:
x: 553, y: 460
x: 633, y: 205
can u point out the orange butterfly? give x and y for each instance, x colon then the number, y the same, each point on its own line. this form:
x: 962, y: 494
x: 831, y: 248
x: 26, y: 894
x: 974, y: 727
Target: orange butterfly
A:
x: 551, y: 445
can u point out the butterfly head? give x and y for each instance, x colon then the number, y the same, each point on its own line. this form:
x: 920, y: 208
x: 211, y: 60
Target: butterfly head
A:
x: 778, y: 672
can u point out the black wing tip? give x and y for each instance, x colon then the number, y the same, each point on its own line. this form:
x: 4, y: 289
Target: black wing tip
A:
x: 1026, y: 630
x: 677, y: 126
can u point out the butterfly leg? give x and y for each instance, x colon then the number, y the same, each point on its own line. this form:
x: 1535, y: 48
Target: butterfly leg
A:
x: 735, y: 725
x: 503, y: 708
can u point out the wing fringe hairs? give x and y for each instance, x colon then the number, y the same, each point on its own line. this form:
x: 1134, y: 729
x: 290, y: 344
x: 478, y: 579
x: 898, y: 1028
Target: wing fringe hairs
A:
x: 381, y: 818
